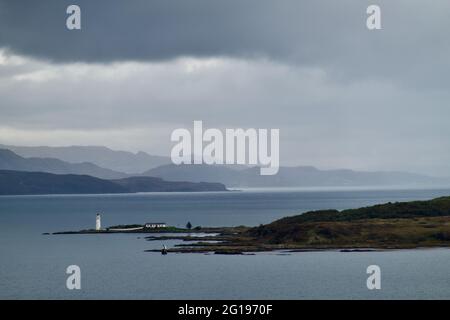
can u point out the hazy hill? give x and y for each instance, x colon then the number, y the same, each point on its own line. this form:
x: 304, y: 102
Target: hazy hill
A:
x: 29, y: 183
x: 292, y: 177
x: 22, y: 183
x: 196, y: 173
x: 11, y: 161
x: 121, y: 161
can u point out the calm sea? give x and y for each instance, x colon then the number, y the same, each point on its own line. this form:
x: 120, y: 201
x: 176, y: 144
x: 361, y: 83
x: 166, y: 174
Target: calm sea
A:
x: 115, y: 266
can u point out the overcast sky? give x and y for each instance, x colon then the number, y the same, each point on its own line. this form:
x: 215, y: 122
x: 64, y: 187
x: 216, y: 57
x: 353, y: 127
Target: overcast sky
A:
x: 341, y: 95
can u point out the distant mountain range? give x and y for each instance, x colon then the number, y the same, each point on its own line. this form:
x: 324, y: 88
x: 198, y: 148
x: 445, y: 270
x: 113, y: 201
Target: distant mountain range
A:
x: 231, y: 176
x: 33, y: 183
x: 120, y: 161
x: 11, y: 161
x: 292, y: 177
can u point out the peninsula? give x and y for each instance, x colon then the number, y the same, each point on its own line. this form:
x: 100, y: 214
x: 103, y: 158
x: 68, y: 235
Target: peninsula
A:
x: 400, y: 225
x: 35, y: 183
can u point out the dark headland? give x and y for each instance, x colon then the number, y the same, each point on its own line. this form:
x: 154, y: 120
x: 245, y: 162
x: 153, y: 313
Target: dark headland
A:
x: 35, y: 183
x: 400, y: 225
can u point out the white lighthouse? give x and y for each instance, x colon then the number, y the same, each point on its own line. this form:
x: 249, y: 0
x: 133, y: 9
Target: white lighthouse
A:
x: 98, y: 222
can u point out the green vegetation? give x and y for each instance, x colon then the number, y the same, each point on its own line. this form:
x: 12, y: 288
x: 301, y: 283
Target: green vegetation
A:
x: 412, y: 224
x: 376, y: 233
x: 433, y: 208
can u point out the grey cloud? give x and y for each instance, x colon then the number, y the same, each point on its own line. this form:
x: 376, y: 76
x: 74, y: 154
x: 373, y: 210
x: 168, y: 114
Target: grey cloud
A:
x: 413, y: 46
x: 364, y: 125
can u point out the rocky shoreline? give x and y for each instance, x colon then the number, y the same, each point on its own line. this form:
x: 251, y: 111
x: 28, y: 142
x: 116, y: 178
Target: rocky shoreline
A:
x: 235, y: 241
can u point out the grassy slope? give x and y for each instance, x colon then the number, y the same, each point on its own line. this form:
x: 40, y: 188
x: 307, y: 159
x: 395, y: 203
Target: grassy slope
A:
x: 407, y: 224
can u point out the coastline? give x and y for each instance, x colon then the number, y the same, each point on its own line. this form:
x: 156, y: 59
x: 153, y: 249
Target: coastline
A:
x: 400, y: 225
x: 233, y: 241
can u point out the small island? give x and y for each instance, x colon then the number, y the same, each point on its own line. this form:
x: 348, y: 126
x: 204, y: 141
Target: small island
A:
x: 400, y: 225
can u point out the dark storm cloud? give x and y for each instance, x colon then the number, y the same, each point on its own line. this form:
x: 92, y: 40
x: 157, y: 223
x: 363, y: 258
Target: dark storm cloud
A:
x: 329, y: 34
x: 153, y: 30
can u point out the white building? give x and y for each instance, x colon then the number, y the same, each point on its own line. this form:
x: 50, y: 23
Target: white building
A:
x: 155, y: 225
x: 98, y: 223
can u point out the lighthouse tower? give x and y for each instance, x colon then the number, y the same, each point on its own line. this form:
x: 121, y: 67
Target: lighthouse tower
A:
x: 98, y: 223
